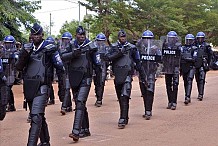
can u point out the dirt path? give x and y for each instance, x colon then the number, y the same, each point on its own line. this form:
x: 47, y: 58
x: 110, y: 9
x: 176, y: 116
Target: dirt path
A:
x: 192, y: 125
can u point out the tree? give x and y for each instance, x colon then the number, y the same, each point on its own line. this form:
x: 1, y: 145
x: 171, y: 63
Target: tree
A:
x: 15, y: 14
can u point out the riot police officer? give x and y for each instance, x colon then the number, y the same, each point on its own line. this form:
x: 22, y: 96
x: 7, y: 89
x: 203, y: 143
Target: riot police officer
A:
x: 150, y: 51
x: 188, y: 56
x: 3, y: 92
x: 100, y: 75
x: 204, y: 55
x: 122, y: 56
x: 66, y: 99
x: 8, y: 60
x: 171, y: 66
x: 51, y: 99
x: 82, y: 55
x: 37, y: 61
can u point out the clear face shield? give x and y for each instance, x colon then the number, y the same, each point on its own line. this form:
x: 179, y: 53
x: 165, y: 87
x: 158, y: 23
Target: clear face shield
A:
x: 200, y: 39
x: 189, y: 42
x: 65, y: 43
x: 101, y: 46
x: 9, y: 46
x: 146, y: 44
x: 172, y: 40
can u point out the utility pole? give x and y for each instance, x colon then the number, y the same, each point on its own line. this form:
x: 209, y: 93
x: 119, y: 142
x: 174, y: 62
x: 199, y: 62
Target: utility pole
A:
x: 79, y: 11
x: 50, y: 24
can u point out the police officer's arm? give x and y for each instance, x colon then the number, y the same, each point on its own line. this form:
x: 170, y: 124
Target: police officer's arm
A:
x: 24, y: 55
x: 71, y: 53
x: 113, y: 54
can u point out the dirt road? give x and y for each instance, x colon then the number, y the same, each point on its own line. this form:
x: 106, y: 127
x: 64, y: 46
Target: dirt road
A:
x: 192, y: 125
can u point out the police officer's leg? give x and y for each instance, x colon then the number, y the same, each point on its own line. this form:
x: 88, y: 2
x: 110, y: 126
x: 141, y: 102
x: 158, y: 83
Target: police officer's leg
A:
x: 44, y: 134
x: 4, y: 95
x: 202, y: 76
x: 168, y: 82
x: 188, y: 85
x: 197, y: 78
x: 51, y: 96
x: 175, y: 90
x: 124, y: 102
x: 67, y: 103
x: 80, y: 108
x: 84, y: 132
x: 11, y: 106
x: 37, y: 116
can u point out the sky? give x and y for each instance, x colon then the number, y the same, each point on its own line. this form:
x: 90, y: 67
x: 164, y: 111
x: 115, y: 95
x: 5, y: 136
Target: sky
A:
x: 61, y: 11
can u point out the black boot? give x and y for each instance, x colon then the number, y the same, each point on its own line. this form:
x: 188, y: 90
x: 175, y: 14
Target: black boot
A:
x: 34, y: 132
x: 124, y: 110
x: 44, y: 134
x: 78, y: 118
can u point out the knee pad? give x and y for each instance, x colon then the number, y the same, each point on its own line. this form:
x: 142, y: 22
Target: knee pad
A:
x: 36, y: 118
x: 80, y: 105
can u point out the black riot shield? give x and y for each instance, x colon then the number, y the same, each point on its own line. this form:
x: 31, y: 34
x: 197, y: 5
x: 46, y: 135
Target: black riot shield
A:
x: 171, y: 55
x: 151, y: 54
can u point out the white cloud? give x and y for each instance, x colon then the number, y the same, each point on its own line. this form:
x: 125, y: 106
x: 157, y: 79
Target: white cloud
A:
x: 61, y: 11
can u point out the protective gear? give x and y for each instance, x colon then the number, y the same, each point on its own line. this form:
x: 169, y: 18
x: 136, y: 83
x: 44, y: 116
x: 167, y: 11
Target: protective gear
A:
x: 172, y: 38
x: 121, y: 33
x: 50, y: 39
x: 100, y: 72
x: 189, y: 39
x: 37, y: 67
x: 122, y: 66
x: 171, y: 66
x: 101, y: 37
x: 67, y: 35
x: 187, y: 65
x: 36, y: 29
x: 203, y: 59
x: 80, y: 76
x: 150, y: 51
x: 80, y: 30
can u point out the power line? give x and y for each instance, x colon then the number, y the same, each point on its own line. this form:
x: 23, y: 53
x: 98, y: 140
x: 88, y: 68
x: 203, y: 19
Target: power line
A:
x: 55, y: 10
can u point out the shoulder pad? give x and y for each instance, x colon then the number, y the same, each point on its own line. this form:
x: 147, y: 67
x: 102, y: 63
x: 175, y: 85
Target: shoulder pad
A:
x: 178, y: 44
x: 50, y: 47
x: 28, y: 45
x: 207, y: 44
x: 194, y: 47
x: 114, y: 44
x: 93, y: 45
x: 132, y: 46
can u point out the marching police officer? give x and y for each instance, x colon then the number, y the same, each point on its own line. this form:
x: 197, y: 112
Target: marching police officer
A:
x: 122, y: 56
x: 66, y: 99
x: 37, y: 60
x: 3, y: 92
x: 82, y: 55
x: 204, y: 55
x: 150, y: 51
x: 188, y: 56
x: 9, y: 57
x: 171, y: 66
x: 100, y: 75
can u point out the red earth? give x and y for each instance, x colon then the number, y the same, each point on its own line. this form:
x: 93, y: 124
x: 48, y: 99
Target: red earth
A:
x: 192, y: 125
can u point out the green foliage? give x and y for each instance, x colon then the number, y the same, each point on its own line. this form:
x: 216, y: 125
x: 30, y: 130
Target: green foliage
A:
x: 135, y: 16
x: 14, y: 14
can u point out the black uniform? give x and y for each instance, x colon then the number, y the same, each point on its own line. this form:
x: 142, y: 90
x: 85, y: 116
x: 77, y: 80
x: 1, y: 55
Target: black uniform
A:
x: 65, y: 97
x: 3, y: 92
x: 122, y: 57
x: 37, y: 65
x: 171, y: 67
x: 100, y: 75
x: 204, y: 54
x: 188, y: 56
x: 81, y: 57
x: 150, y: 56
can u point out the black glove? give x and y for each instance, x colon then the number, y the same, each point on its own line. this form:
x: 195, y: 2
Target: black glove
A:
x: 105, y: 58
x: 28, y: 47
